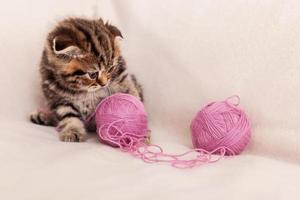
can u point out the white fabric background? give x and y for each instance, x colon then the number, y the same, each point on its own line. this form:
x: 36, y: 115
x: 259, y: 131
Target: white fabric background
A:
x: 186, y: 54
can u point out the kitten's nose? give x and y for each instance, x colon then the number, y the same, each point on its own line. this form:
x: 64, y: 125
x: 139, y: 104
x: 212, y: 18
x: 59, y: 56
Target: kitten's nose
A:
x: 102, y: 79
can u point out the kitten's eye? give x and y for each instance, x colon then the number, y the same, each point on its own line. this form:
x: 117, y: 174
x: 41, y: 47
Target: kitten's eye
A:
x: 79, y: 73
x: 93, y: 75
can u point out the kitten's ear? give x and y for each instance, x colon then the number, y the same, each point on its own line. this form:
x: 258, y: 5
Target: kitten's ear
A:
x: 63, y: 45
x: 114, y: 30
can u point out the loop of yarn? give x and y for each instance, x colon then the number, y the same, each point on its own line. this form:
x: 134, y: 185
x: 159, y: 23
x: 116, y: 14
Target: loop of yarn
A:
x: 121, y: 122
x: 199, y: 156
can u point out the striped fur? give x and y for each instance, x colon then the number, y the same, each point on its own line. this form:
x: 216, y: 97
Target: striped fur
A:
x: 81, y: 65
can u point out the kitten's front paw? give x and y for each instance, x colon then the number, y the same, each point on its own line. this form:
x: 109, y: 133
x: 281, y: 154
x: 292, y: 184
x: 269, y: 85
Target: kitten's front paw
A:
x: 72, y: 135
x: 42, y: 118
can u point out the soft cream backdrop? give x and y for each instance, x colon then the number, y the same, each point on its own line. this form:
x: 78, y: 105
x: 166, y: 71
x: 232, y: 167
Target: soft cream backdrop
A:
x: 185, y: 53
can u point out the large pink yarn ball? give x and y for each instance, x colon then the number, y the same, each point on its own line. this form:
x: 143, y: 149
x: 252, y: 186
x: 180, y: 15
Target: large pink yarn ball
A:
x: 221, y: 124
x: 121, y: 121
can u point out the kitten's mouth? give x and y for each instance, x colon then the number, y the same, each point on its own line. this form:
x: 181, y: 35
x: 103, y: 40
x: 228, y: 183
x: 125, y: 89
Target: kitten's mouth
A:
x: 94, y: 88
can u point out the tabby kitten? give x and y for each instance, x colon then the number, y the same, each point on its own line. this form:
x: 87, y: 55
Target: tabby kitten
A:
x: 81, y: 65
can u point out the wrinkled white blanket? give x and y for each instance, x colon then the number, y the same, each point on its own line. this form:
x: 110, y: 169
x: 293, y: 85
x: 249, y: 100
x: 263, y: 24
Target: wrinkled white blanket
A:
x: 186, y: 54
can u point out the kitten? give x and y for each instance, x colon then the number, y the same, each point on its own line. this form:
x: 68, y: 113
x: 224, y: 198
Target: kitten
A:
x: 81, y: 65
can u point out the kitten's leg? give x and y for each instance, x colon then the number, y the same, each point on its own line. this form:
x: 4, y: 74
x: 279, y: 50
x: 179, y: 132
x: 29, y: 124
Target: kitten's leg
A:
x: 43, y: 117
x: 70, y: 126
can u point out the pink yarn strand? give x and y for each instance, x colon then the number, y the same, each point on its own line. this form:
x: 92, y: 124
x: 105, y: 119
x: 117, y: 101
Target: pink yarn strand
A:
x: 137, y: 147
x: 232, y: 98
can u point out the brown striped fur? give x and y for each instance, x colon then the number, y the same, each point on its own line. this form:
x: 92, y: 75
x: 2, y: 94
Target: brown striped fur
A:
x: 81, y: 64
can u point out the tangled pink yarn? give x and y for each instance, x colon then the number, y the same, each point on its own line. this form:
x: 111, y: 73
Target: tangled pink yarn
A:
x: 221, y: 124
x: 121, y: 122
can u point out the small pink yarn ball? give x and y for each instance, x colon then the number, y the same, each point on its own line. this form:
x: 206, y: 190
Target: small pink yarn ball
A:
x: 121, y: 120
x: 221, y: 124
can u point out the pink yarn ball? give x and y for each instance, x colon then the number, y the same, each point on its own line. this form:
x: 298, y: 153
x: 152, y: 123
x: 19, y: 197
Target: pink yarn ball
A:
x: 121, y: 121
x: 221, y: 124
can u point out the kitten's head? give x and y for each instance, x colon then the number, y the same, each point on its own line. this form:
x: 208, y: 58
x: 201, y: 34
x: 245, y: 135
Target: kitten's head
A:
x: 84, y: 52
